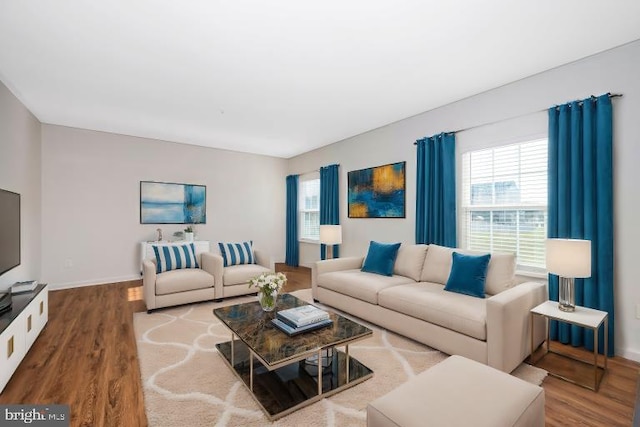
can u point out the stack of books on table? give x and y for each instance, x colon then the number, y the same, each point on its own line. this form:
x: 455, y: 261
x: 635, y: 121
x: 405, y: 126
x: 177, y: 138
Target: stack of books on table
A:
x: 305, y: 318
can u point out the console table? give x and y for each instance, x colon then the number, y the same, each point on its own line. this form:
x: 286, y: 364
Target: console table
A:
x: 20, y: 327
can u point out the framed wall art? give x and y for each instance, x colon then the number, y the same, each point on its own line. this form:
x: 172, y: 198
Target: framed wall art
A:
x: 377, y: 192
x: 172, y: 203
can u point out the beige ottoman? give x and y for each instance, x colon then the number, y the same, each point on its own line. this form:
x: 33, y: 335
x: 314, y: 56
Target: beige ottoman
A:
x: 460, y: 392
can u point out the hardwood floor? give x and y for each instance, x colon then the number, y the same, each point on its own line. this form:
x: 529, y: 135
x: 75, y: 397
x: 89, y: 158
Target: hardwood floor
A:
x: 297, y: 277
x: 86, y: 357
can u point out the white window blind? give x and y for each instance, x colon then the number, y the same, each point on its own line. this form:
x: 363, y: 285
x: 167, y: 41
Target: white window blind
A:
x: 504, y: 202
x: 309, y: 209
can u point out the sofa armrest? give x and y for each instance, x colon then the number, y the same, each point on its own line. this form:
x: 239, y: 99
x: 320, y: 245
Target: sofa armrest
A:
x: 149, y: 283
x: 509, y: 324
x: 329, y: 265
x: 213, y: 264
x: 262, y: 258
x: 208, y: 262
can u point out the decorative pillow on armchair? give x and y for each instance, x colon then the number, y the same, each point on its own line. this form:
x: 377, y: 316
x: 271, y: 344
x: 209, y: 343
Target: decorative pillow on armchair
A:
x: 174, y: 257
x: 237, y: 253
x: 381, y: 258
x: 468, y: 274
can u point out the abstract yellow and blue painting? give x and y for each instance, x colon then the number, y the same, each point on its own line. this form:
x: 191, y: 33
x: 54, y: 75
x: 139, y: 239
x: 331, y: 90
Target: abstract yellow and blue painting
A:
x: 377, y: 192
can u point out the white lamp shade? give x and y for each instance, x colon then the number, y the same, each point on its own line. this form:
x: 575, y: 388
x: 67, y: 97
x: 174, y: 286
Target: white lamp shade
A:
x: 331, y: 234
x: 569, y: 258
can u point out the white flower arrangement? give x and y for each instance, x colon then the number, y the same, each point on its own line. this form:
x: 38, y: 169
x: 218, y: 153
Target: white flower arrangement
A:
x: 268, y: 284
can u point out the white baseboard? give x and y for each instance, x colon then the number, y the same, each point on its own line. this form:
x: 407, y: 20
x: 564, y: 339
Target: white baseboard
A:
x: 82, y: 283
x: 628, y: 353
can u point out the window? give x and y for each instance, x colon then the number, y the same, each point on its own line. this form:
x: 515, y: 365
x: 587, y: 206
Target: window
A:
x: 309, y: 208
x: 504, y: 202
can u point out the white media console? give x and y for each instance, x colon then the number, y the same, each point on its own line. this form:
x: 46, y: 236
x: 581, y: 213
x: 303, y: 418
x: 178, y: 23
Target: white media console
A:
x: 19, y: 328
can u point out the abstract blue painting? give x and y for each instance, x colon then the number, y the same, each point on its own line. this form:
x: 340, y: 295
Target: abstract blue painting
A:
x: 170, y: 203
x: 377, y: 192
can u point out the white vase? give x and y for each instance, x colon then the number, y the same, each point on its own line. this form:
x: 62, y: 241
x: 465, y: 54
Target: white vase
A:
x: 188, y: 237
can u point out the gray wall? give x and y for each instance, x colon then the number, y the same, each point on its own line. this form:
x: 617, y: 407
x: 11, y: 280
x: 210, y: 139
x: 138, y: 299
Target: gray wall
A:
x: 613, y: 71
x: 90, y: 200
x: 20, y: 172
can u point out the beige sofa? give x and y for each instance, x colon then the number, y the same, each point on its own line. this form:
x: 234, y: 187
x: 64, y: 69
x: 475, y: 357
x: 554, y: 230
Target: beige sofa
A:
x: 494, y: 330
x: 233, y: 280
x: 181, y: 286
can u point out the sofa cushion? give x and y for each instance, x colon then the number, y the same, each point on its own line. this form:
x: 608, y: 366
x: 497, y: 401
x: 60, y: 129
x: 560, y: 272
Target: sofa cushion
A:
x: 358, y: 284
x: 500, y: 273
x: 175, y: 257
x: 381, y: 258
x: 237, y: 253
x: 183, y: 280
x: 468, y: 274
x: 431, y: 303
x: 410, y: 261
x: 237, y: 274
x: 437, y: 264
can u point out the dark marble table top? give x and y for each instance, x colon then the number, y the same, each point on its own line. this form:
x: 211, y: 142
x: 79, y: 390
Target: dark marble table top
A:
x: 253, y: 326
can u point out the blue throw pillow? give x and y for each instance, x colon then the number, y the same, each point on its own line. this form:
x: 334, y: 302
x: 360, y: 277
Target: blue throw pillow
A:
x: 381, y: 258
x: 174, y: 257
x: 468, y: 274
x: 237, y: 253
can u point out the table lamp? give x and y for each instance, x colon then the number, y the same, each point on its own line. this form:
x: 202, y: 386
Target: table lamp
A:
x: 330, y: 235
x: 569, y: 259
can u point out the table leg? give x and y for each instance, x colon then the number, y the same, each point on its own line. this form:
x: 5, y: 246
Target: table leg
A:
x: 548, y: 333
x: 606, y: 341
x: 595, y: 358
x: 347, y: 361
x: 232, y: 352
x: 250, y: 370
x: 531, y: 321
x: 319, y: 372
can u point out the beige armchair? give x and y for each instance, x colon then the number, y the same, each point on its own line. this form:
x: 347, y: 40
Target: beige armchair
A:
x: 233, y: 280
x: 181, y: 286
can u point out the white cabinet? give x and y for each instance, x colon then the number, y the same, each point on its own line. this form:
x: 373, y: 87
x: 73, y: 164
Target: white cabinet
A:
x: 37, y: 316
x: 20, y: 327
x: 12, y: 349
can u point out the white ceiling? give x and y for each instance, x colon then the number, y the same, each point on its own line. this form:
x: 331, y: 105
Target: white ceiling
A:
x: 283, y: 77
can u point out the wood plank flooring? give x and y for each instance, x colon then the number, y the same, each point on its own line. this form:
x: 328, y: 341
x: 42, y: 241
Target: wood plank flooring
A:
x: 86, y: 357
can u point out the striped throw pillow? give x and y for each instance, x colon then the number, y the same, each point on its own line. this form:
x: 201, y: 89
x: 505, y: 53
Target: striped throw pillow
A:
x: 174, y: 257
x: 237, y: 253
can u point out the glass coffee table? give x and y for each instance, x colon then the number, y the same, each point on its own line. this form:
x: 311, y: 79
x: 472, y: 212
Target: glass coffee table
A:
x: 286, y: 373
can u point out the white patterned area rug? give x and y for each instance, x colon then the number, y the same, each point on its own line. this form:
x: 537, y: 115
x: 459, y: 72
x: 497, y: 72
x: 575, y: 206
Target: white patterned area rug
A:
x: 186, y: 382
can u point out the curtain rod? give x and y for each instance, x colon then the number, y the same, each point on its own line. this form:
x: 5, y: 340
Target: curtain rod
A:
x: 611, y: 95
x: 314, y: 170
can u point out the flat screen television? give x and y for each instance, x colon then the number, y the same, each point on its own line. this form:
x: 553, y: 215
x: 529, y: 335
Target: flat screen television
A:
x: 9, y: 230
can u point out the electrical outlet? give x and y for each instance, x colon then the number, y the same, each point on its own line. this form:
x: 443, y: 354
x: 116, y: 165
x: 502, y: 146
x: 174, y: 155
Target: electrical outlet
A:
x: 68, y: 263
